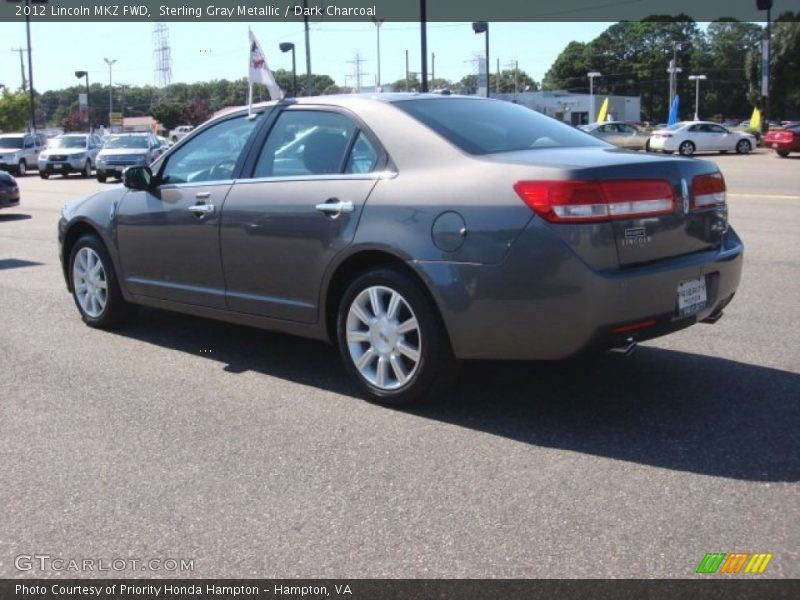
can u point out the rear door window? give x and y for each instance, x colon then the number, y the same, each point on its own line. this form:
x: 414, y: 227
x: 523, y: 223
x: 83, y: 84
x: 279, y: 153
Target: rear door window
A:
x: 306, y: 142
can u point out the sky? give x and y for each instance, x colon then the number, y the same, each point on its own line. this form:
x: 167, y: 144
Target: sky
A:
x: 205, y: 51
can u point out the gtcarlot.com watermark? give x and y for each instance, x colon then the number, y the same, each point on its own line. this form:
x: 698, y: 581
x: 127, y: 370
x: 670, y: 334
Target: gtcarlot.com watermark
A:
x: 46, y: 562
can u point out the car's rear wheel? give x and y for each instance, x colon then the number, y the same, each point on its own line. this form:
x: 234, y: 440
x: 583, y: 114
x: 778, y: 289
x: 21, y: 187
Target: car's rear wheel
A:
x: 87, y: 170
x: 22, y: 168
x: 686, y: 148
x: 783, y: 153
x: 391, y: 339
x: 95, y: 288
x: 44, y: 174
x: 743, y: 147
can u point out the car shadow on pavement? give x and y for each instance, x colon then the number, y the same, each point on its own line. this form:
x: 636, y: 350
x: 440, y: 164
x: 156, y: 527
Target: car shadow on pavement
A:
x: 663, y: 408
x: 13, y: 217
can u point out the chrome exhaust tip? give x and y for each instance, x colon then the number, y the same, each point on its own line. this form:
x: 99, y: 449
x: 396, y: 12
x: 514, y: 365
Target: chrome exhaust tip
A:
x: 624, y: 350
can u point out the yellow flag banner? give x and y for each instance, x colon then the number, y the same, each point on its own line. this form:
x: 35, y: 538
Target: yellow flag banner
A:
x: 601, y: 116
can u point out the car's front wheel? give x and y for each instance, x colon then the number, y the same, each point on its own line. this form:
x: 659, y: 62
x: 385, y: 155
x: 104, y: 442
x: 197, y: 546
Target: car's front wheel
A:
x: 743, y: 147
x: 94, y: 284
x: 391, y: 339
x: 101, y: 178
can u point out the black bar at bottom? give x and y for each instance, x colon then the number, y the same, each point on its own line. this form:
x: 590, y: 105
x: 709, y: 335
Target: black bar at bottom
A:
x: 399, y: 589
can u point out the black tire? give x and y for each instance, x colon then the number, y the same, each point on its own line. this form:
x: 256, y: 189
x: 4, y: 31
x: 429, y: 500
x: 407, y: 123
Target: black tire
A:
x: 116, y: 310
x: 743, y: 147
x: 22, y: 168
x: 101, y: 178
x: 667, y: 151
x: 686, y: 148
x: 435, y: 369
x: 647, y: 146
x: 783, y: 153
x: 87, y: 170
x: 44, y: 174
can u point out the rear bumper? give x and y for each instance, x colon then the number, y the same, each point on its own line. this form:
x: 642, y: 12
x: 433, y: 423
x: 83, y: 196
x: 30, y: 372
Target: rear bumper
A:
x: 61, y: 167
x: 544, y: 302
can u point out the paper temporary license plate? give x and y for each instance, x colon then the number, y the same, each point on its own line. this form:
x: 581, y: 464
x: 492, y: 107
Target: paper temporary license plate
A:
x: 774, y: 145
x: 692, y: 296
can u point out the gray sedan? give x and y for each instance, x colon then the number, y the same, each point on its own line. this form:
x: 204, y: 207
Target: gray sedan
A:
x: 620, y: 134
x: 411, y: 231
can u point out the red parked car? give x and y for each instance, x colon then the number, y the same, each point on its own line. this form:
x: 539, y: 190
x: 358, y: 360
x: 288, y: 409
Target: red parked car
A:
x: 784, y: 140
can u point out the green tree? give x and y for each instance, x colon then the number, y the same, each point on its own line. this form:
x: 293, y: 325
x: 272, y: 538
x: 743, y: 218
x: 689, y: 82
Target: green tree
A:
x: 168, y: 114
x: 13, y: 110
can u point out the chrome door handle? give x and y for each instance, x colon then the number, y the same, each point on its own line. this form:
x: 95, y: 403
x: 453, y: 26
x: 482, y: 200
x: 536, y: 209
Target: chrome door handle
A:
x: 335, y: 207
x: 202, y: 195
x: 201, y: 209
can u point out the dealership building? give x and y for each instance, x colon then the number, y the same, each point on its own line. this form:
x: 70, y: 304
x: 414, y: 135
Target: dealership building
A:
x: 576, y: 108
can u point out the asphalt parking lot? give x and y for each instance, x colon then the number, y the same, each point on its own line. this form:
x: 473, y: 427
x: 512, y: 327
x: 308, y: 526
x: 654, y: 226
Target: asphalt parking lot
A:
x: 246, y: 451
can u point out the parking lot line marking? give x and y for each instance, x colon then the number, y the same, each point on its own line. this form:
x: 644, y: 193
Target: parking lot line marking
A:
x: 766, y: 196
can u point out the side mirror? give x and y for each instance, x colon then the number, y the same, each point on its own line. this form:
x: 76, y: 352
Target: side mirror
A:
x: 137, y: 178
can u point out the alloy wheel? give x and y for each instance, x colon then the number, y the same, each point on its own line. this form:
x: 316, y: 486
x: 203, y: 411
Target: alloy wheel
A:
x: 383, y: 337
x: 90, y: 282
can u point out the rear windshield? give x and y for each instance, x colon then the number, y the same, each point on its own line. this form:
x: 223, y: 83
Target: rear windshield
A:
x: 489, y: 126
x: 126, y: 141
x: 67, y: 142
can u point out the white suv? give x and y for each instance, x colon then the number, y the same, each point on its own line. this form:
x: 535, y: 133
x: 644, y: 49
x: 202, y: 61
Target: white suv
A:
x: 20, y: 151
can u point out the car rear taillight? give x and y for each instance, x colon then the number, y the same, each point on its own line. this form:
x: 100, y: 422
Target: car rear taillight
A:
x: 708, y: 190
x: 571, y: 201
x: 781, y: 136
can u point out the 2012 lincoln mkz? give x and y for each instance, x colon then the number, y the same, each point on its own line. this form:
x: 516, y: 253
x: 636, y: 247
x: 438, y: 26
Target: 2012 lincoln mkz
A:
x: 411, y: 231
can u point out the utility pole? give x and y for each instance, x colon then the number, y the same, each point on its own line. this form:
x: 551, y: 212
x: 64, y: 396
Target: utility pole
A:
x: 433, y: 66
x: 408, y: 84
x: 765, y: 60
x: 673, y: 71
x: 515, y: 64
x: 30, y: 65
x: 423, y: 33
x: 309, y: 83
x: 21, y: 66
x: 378, y: 23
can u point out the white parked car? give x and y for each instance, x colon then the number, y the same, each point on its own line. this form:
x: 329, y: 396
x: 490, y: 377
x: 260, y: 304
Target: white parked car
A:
x: 688, y: 137
x: 180, y: 132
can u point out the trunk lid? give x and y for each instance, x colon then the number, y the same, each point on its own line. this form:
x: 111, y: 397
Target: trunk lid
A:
x: 641, y: 240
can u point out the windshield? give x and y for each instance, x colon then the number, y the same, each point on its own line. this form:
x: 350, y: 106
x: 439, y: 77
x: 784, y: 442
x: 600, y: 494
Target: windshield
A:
x: 10, y: 142
x: 489, y: 126
x: 67, y: 142
x: 126, y: 141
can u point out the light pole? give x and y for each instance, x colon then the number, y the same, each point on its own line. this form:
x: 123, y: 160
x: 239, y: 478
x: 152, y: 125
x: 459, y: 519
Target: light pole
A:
x: 673, y: 71
x: 30, y: 59
x: 423, y: 42
x: 765, y: 60
x: 697, y: 79
x: 483, y: 27
x: 110, y: 64
x: 285, y: 47
x: 591, y: 75
x: 378, y: 23
x: 79, y: 75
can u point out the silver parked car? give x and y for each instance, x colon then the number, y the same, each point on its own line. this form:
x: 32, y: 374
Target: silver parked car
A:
x: 123, y: 150
x: 620, y: 134
x: 69, y: 153
x: 20, y: 152
x: 410, y: 230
